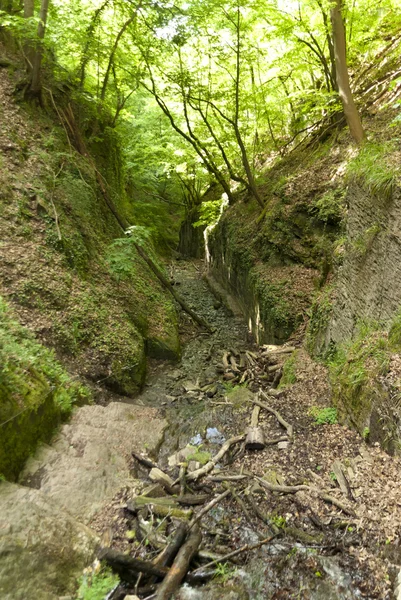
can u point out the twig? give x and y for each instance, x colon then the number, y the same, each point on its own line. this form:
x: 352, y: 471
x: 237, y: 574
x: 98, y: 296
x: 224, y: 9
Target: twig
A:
x: 144, y: 461
x: 180, y: 566
x: 208, y: 507
x: 289, y: 428
x: 212, y: 463
x: 230, y: 555
x: 293, y: 489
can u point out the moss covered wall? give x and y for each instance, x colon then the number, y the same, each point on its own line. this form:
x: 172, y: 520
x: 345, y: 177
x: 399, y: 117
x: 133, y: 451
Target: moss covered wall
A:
x: 259, y: 269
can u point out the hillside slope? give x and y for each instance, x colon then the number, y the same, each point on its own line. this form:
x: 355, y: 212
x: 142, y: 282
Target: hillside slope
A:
x: 64, y: 274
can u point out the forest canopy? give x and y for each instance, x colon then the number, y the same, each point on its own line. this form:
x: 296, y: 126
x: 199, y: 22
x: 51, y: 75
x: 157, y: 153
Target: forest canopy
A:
x: 207, y: 91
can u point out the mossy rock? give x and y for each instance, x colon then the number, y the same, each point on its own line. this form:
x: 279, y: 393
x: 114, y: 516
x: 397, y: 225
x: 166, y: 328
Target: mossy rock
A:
x: 35, y: 394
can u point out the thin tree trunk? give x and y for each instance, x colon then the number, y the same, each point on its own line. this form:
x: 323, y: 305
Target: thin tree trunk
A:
x: 29, y: 11
x: 36, y: 83
x: 344, y: 88
x: 113, y: 51
x: 89, y: 38
x: 164, y: 281
x: 240, y: 141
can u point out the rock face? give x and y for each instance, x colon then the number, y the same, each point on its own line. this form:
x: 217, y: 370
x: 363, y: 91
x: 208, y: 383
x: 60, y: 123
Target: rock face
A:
x: 44, y: 539
x: 43, y: 549
x: 89, y: 460
x: 369, y: 282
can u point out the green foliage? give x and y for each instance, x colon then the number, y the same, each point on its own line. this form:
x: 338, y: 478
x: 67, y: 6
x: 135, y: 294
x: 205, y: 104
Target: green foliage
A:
x: 363, y: 244
x: 289, y: 376
x: 356, y: 362
x: 224, y: 572
x: 319, y: 319
x: 323, y: 416
x: 200, y: 456
x: 394, y: 336
x: 96, y: 586
x: 330, y: 208
x: 372, y: 170
x: 278, y: 520
x: 355, y: 368
x: 208, y: 213
x: 21, y: 354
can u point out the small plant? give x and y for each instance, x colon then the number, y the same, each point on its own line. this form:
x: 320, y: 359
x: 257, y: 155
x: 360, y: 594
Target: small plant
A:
x: 371, y: 169
x: 323, y: 416
x: 95, y: 586
x: 365, y: 433
x: 224, y: 572
x: 200, y: 456
x: 363, y: 244
x: 333, y: 476
x: 329, y: 208
x: 278, y: 521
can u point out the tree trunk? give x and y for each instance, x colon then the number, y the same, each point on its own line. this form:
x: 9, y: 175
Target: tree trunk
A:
x: 344, y: 88
x: 36, y: 82
x: 29, y: 8
x: 29, y: 53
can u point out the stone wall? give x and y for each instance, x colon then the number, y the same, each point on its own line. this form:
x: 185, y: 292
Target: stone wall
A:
x: 369, y: 281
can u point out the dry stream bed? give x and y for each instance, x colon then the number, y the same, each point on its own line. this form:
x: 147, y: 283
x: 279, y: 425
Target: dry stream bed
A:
x: 248, y: 496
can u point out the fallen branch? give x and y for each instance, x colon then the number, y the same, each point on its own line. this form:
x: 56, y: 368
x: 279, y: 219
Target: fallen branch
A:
x: 165, y: 282
x: 255, y: 437
x: 208, y: 507
x: 128, y: 567
x: 231, y: 555
x: 293, y: 489
x: 287, y: 426
x: 159, y: 508
x: 158, y: 476
x: 145, y: 462
x: 283, y: 489
x: 180, y: 566
x: 192, y: 499
x: 169, y: 553
x: 212, y: 463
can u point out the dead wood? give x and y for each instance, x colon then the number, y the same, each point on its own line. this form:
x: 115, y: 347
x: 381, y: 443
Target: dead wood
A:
x: 231, y: 555
x: 283, y: 489
x: 128, y: 567
x: 335, y: 502
x: 208, y: 507
x: 293, y: 489
x: 158, y: 476
x: 219, y: 478
x: 287, y: 426
x: 274, y: 393
x: 165, y: 282
x: 277, y: 350
x: 158, y: 508
x: 255, y: 437
x: 225, y: 360
x: 240, y: 503
x: 145, y: 462
x: 180, y: 566
x: 193, y: 499
x: 234, y: 365
x: 169, y: 553
x: 181, y: 477
x: 212, y: 463
x: 342, y: 480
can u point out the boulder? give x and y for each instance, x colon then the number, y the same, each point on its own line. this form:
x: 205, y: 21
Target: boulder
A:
x: 43, y: 549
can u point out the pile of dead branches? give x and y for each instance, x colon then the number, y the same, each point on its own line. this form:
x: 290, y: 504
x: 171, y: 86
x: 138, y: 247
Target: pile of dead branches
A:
x: 172, y: 516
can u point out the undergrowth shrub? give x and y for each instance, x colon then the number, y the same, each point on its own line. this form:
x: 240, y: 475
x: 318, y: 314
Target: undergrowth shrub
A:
x: 371, y: 169
x: 96, y: 586
x: 23, y: 358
